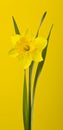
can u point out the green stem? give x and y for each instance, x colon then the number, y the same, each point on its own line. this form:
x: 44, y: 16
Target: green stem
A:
x: 29, y: 98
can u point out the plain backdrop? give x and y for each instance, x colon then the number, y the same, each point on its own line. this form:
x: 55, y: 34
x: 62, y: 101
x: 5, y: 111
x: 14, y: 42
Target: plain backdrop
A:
x: 48, y: 107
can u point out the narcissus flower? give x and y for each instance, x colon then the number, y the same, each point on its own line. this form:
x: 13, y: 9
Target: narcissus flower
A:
x: 27, y: 49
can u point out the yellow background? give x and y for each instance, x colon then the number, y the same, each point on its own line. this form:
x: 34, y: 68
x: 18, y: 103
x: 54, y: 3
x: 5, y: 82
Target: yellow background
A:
x: 48, y: 108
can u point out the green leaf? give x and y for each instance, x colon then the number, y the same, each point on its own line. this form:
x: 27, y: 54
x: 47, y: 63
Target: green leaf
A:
x: 42, y: 19
x: 40, y: 65
x: 25, y: 105
x: 39, y: 69
x: 15, y: 26
x: 30, y: 74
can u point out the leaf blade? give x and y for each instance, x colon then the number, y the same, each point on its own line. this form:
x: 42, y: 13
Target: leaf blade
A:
x: 41, y: 22
x: 15, y: 26
x: 32, y: 64
x: 25, y: 107
x: 40, y: 65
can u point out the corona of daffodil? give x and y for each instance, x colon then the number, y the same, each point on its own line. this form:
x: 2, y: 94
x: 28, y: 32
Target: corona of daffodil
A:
x: 27, y: 49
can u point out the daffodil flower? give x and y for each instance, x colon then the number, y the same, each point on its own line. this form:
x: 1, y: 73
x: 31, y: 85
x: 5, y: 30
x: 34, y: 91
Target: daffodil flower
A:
x: 27, y: 49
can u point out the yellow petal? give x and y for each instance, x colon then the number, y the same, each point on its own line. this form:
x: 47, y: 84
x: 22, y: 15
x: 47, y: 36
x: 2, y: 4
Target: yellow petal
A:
x: 40, y: 43
x: 25, y: 60
x: 36, y: 56
x: 13, y: 52
x: 29, y: 34
x: 15, y: 38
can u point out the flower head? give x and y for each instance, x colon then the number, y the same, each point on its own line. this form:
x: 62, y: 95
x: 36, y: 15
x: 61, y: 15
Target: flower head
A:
x: 28, y: 49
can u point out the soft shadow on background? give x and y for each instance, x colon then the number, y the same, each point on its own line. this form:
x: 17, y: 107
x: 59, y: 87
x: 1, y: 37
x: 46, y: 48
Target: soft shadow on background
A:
x: 48, y: 108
